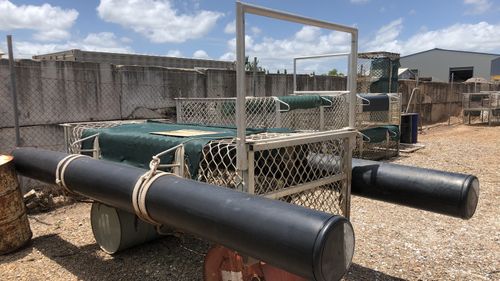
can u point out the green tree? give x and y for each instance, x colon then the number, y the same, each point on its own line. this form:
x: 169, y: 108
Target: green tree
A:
x: 251, y: 65
x: 335, y: 72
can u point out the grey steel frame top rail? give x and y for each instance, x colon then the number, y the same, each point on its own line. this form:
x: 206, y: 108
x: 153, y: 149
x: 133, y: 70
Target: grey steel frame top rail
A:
x: 244, y: 8
x: 318, y: 57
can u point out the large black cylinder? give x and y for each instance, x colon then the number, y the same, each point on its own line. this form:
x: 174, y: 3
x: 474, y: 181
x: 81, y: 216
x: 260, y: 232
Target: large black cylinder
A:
x: 451, y: 194
x: 309, y: 243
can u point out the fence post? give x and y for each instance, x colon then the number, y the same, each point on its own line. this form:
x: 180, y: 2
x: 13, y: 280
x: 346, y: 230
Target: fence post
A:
x: 449, y: 101
x: 254, y: 75
x: 13, y: 91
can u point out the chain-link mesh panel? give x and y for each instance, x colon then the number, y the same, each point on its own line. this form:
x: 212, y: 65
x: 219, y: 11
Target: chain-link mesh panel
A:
x: 332, y: 116
x: 7, y: 132
x: 261, y: 112
x: 377, y: 72
x: 495, y: 107
x: 327, y: 198
x: 218, y: 164
x: 303, y: 119
x: 367, y: 119
x: 337, y: 115
x: 365, y: 149
x: 311, y: 173
x: 365, y: 76
x: 289, y: 171
x: 288, y: 166
x: 51, y: 93
x: 265, y: 112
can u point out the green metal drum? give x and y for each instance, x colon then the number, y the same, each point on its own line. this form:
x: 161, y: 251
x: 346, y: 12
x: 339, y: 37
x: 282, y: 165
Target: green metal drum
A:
x: 115, y: 230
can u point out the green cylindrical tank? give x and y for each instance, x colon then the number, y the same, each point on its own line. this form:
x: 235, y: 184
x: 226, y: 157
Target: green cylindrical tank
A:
x: 115, y: 230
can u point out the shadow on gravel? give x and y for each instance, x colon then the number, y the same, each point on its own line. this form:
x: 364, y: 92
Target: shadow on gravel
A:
x: 169, y: 258
x: 358, y: 272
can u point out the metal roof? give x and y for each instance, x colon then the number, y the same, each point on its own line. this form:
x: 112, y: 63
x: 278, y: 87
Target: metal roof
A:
x: 448, y: 50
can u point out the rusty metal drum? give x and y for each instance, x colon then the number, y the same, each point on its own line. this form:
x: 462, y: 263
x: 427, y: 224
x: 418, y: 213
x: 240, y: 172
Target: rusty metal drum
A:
x: 15, y: 230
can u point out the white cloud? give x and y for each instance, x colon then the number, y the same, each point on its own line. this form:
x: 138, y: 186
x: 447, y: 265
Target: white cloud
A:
x: 230, y: 27
x: 200, y: 54
x: 50, y: 22
x: 279, y: 53
x: 386, y: 38
x: 103, y: 42
x: 359, y: 1
x: 480, y: 37
x: 308, y: 33
x: 126, y: 40
x: 255, y: 30
x: 478, y: 6
x: 158, y: 20
x: 174, y: 53
x: 229, y: 56
x: 307, y: 41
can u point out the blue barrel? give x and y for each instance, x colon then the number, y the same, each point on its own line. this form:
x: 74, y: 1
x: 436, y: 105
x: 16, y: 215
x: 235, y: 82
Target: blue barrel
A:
x: 414, y: 127
x: 409, y: 127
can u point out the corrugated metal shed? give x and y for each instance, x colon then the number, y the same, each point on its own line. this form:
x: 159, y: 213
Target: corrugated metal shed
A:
x: 495, y: 69
x: 440, y: 63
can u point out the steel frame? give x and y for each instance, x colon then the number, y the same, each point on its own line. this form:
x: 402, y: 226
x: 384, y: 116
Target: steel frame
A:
x: 241, y: 10
x: 349, y: 77
x: 259, y: 157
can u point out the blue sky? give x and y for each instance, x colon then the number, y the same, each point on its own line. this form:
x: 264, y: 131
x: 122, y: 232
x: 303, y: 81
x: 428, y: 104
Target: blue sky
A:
x: 205, y: 29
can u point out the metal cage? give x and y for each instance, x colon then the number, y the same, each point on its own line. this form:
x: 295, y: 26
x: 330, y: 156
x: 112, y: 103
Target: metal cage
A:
x: 285, y: 166
x: 265, y: 112
x: 482, y: 107
x: 366, y: 148
x: 294, y: 166
x: 368, y: 119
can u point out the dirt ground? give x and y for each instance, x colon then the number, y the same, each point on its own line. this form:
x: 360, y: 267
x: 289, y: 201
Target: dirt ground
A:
x: 392, y: 242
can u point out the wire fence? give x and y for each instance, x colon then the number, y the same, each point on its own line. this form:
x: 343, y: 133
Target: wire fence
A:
x: 46, y: 102
x: 51, y: 94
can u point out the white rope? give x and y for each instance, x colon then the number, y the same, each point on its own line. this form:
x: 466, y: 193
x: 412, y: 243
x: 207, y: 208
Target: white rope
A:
x: 61, y: 169
x: 141, y: 189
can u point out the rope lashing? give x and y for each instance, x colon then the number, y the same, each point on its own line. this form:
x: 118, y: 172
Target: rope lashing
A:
x: 141, y: 189
x: 61, y: 169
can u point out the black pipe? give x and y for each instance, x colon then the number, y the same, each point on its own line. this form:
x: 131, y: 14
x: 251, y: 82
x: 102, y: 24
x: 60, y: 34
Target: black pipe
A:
x: 309, y: 243
x: 451, y: 194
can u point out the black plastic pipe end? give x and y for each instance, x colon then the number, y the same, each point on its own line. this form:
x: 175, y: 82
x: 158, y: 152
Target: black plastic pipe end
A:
x: 333, y: 249
x: 469, y: 197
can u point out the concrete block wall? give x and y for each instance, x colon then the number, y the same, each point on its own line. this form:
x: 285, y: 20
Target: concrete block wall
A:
x: 54, y: 92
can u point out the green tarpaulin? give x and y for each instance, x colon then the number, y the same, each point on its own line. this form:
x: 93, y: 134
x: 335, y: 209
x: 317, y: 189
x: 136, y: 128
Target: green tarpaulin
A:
x: 302, y: 102
x: 134, y: 144
x: 378, y: 134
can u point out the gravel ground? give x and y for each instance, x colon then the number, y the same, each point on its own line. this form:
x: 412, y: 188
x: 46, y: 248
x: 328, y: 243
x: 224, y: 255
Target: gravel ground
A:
x: 392, y: 242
